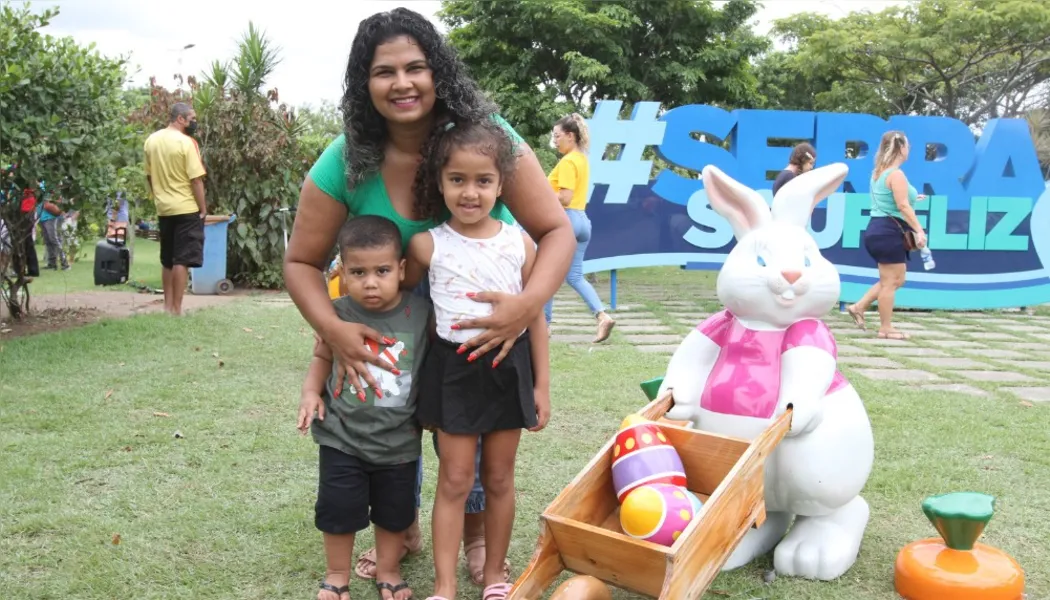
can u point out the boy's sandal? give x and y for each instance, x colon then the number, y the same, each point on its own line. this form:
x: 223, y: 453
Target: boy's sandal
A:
x: 338, y: 591
x: 367, y: 560
x: 389, y: 587
x: 477, y: 572
x: 496, y: 591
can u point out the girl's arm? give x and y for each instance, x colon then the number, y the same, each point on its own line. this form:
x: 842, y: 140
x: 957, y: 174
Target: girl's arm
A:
x: 534, y: 204
x: 417, y: 259
x: 317, y: 224
x: 540, y: 347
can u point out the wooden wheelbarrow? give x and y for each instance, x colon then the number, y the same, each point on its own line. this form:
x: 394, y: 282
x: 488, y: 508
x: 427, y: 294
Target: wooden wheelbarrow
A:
x: 580, y: 530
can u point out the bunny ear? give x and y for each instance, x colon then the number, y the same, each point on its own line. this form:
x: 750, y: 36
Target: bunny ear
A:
x: 740, y: 205
x: 794, y: 203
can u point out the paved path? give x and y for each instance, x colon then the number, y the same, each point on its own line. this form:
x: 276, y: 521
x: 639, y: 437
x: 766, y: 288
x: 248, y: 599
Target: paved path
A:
x: 968, y: 353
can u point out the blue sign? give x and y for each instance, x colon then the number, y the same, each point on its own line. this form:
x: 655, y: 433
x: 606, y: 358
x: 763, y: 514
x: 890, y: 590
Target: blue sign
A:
x: 987, y: 212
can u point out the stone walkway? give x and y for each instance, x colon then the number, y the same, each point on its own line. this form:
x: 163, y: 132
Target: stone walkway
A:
x: 970, y: 353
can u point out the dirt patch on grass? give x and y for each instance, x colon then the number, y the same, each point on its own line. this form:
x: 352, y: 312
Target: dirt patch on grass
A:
x: 54, y: 312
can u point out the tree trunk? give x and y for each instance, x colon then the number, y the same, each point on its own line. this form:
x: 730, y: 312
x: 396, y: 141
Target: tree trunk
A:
x: 14, y: 288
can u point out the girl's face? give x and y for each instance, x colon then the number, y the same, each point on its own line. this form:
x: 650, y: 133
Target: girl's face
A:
x: 905, y: 149
x: 401, y: 82
x: 807, y: 165
x: 470, y: 183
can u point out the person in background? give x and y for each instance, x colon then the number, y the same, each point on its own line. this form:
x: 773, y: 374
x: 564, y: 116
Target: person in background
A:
x: 802, y: 159
x: 571, y: 181
x: 117, y: 214
x: 175, y: 175
x: 892, y: 217
x: 50, y: 216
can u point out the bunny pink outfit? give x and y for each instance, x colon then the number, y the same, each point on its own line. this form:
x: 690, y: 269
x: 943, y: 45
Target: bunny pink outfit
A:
x: 745, y: 379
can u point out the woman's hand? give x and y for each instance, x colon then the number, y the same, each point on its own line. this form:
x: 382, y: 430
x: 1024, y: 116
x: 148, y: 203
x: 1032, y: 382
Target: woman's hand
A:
x: 920, y: 238
x: 352, y: 357
x: 511, y: 315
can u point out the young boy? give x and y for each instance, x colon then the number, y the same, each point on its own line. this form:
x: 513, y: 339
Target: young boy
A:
x: 369, y: 441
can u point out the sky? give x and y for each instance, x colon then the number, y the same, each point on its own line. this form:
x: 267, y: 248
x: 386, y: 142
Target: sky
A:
x: 314, y: 36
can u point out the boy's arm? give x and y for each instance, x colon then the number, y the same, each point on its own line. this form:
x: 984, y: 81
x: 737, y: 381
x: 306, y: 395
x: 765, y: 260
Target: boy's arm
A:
x: 420, y: 249
x: 320, y: 368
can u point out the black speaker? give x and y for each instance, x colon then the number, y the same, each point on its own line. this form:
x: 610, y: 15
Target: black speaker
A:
x: 113, y: 259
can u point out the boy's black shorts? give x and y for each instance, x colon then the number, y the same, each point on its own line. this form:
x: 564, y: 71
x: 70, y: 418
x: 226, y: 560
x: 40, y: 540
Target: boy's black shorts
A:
x: 348, y: 487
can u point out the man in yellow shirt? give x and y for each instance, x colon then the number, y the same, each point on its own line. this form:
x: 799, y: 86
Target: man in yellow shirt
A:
x: 175, y: 175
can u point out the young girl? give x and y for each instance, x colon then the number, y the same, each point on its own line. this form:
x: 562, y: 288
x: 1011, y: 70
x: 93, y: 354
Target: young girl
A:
x: 466, y: 396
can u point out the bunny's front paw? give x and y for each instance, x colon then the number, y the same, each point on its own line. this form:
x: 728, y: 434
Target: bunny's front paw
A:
x: 805, y: 416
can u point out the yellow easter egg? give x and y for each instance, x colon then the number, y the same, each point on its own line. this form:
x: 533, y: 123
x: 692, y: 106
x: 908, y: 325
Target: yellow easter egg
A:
x: 642, y: 512
x: 633, y: 419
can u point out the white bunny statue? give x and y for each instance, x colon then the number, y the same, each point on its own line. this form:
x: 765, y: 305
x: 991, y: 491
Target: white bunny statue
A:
x: 768, y: 351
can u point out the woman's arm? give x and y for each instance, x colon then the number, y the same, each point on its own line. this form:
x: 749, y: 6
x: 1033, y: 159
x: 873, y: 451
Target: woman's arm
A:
x: 898, y: 184
x: 533, y: 203
x: 318, y: 220
x: 565, y: 196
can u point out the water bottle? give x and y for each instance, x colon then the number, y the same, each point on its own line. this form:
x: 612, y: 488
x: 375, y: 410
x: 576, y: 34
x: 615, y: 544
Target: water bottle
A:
x: 927, y: 258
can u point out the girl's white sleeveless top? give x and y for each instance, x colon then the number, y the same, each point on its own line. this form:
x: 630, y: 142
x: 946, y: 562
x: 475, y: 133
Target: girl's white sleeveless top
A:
x: 462, y: 265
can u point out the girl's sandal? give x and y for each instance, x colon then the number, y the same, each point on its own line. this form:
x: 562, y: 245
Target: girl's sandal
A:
x: 338, y: 591
x: 477, y: 567
x: 496, y: 591
x: 893, y: 335
x: 382, y: 586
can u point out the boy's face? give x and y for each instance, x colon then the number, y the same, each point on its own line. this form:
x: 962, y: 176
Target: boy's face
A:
x: 373, y: 276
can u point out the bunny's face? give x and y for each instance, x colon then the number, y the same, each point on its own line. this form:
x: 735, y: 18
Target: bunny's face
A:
x: 775, y: 274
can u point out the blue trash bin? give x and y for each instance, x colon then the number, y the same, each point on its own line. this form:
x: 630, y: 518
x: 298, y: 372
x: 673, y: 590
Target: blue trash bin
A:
x: 210, y: 277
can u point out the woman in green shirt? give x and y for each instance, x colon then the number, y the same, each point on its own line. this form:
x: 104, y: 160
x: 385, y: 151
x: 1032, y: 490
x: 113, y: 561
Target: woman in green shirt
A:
x: 892, y: 213
x: 402, y: 81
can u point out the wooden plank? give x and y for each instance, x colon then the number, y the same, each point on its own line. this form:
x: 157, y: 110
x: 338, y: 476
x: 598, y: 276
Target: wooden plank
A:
x: 708, y: 458
x: 710, y: 539
x: 615, y: 559
x: 545, y: 567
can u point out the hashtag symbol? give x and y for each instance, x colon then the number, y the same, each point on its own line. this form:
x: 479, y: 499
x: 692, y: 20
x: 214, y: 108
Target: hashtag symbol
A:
x: 628, y: 169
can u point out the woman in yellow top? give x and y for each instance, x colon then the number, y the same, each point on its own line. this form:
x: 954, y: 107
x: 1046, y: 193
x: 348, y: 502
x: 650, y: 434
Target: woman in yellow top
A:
x: 571, y: 181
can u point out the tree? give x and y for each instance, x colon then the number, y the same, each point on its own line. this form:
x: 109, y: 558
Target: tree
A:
x: 972, y: 60
x: 1039, y: 124
x: 542, y: 59
x: 60, y: 124
x: 250, y: 146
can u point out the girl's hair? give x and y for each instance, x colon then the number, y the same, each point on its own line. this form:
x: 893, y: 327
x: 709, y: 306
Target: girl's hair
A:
x: 890, y: 148
x: 366, y: 131
x: 576, y: 125
x: 483, y: 136
x: 802, y: 153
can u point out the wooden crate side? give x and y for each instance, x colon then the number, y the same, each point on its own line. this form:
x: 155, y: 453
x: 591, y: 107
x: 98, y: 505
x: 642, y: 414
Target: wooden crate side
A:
x: 545, y: 567
x: 707, y: 543
x: 614, y: 558
x: 708, y: 458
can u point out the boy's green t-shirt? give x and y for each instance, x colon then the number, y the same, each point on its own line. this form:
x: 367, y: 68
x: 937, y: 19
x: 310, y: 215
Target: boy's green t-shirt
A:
x: 381, y: 431
x: 369, y: 197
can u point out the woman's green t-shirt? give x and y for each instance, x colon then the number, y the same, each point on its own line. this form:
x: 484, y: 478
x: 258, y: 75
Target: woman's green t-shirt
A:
x: 370, y: 197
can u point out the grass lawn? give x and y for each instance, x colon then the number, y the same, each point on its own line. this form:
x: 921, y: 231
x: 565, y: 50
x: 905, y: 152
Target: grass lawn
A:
x: 145, y: 269
x: 100, y: 500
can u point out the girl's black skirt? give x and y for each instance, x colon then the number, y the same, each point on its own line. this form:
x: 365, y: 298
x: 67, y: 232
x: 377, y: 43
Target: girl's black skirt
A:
x: 461, y: 397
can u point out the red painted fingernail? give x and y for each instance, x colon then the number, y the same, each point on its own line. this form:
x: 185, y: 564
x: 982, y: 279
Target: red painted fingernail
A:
x: 495, y: 364
x: 454, y: 327
x: 472, y: 357
x: 471, y: 294
x: 461, y: 350
x: 396, y: 372
x: 379, y: 393
x: 389, y: 341
x: 361, y: 396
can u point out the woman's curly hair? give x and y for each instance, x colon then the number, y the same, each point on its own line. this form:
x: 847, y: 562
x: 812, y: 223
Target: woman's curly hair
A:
x: 484, y: 136
x: 458, y: 95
